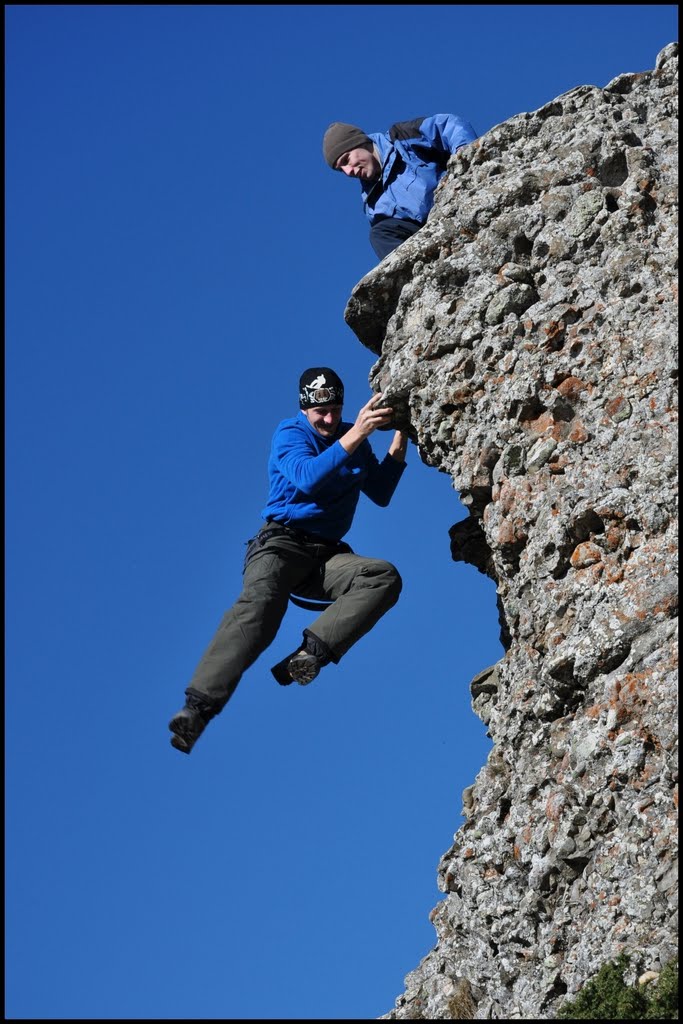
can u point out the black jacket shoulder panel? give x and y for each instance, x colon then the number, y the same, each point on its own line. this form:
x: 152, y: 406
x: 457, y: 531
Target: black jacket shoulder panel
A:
x: 405, y: 129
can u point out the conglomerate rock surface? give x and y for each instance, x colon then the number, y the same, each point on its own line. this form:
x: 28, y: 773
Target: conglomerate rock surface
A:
x: 527, y: 338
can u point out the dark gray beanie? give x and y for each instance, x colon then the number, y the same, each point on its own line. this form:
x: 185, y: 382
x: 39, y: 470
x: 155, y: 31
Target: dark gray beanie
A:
x: 340, y: 138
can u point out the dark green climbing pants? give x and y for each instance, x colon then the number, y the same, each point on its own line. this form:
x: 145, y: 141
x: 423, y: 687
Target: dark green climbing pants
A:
x: 280, y: 562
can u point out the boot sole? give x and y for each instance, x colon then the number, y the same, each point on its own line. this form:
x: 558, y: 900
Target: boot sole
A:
x: 303, y: 674
x: 290, y: 671
x: 180, y: 744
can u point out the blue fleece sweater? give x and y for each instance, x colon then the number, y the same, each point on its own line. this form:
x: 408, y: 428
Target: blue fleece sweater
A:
x: 315, y: 484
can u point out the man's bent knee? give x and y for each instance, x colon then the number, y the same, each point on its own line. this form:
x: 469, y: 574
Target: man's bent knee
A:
x: 390, y: 577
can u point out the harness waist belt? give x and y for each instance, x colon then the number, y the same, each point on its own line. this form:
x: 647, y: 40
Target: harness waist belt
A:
x: 312, y: 538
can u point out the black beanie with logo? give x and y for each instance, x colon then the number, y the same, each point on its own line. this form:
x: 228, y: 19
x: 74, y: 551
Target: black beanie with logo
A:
x: 319, y: 385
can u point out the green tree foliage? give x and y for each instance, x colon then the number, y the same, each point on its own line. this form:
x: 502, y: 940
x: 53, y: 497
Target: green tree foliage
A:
x: 663, y: 1001
x: 608, y: 997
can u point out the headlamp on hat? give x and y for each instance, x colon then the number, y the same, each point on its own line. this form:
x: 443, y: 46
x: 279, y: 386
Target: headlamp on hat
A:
x: 320, y: 386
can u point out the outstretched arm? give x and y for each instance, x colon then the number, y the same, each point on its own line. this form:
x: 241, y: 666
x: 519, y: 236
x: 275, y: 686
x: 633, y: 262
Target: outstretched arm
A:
x: 368, y: 420
x: 384, y: 476
x: 399, y: 446
x: 448, y: 131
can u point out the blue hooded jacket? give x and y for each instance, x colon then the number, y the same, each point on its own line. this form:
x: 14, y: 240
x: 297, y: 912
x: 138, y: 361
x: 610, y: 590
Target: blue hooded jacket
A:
x: 315, y: 483
x: 414, y: 155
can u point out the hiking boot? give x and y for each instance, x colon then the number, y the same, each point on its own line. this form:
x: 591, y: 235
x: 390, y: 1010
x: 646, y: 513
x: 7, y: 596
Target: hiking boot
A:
x: 189, y: 723
x: 300, y: 667
x: 304, y: 667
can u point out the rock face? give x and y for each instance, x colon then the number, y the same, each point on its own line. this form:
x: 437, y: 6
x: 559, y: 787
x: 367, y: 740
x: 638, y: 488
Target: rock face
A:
x: 527, y: 338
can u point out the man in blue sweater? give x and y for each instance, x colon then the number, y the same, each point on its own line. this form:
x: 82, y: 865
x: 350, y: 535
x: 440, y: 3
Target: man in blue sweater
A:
x: 318, y: 467
x: 398, y: 170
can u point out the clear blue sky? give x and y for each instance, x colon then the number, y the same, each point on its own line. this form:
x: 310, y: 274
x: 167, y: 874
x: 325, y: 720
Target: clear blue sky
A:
x: 177, y: 252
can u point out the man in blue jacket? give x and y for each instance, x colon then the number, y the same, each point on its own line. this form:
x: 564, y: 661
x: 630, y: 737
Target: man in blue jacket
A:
x: 398, y: 170
x: 318, y: 467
